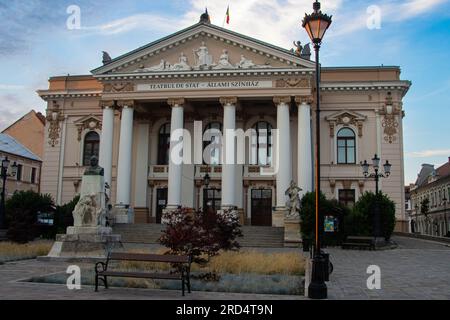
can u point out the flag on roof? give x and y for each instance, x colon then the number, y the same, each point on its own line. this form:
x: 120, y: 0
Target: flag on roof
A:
x: 228, y: 15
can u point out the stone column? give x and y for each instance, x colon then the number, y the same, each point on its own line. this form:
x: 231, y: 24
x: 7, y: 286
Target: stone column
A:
x: 106, y: 141
x: 175, y: 165
x: 304, y: 160
x: 124, y: 163
x: 229, y: 152
x: 284, y: 158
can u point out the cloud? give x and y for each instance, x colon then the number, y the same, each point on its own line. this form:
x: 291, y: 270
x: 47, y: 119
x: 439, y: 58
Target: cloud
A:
x: 429, y: 153
x: 11, y: 87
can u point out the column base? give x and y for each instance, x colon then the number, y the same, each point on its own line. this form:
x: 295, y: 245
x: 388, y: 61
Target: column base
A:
x: 278, y: 216
x: 292, y: 236
x: 123, y: 215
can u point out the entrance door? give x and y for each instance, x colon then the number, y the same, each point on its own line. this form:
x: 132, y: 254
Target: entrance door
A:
x: 262, y: 207
x: 212, y: 199
x: 161, y: 203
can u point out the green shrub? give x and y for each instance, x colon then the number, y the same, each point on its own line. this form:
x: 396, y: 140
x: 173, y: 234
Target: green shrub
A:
x: 361, y: 221
x: 21, y: 215
x: 63, y: 217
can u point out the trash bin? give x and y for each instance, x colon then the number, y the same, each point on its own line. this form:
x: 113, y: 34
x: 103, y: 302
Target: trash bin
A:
x: 328, y: 269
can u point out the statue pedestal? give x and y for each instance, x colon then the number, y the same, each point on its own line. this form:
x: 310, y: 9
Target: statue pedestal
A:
x: 292, y: 236
x: 278, y: 215
x: 85, y: 242
x: 122, y: 215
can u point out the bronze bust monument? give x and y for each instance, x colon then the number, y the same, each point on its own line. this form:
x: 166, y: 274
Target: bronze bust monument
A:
x: 94, y: 169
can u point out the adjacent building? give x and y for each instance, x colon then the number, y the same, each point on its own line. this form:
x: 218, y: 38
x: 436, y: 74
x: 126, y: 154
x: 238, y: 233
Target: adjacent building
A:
x: 29, y: 131
x: 28, y: 166
x: 207, y: 79
x: 430, y: 200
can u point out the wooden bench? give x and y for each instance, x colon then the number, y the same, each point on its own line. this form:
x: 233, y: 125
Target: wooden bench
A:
x: 362, y: 243
x: 103, y: 272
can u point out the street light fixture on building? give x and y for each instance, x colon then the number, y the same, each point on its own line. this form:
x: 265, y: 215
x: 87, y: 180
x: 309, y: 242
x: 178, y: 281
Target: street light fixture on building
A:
x: 316, y: 24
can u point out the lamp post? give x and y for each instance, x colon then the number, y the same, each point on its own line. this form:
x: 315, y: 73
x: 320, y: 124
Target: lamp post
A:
x: 4, y: 175
x: 445, y: 215
x: 316, y: 24
x: 376, y: 175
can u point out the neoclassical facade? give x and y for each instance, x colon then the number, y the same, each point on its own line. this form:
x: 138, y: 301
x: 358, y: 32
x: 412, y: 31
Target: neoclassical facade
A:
x: 207, y: 79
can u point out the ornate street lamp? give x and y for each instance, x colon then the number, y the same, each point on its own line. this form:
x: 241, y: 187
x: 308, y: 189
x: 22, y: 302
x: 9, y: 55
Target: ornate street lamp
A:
x: 316, y: 24
x: 376, y: 175
x: 206, y: 180
x: 4, y: 175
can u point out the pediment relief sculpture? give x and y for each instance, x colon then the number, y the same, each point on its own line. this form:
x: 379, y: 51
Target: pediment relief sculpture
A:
x: 203, y: 60
x: 90, y: 123
x: 293, y: 83
x: 118, y: 87
x: 346, y: 118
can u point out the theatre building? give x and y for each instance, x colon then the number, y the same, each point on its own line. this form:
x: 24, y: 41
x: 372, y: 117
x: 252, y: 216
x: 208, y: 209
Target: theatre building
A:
x: 209, y: 79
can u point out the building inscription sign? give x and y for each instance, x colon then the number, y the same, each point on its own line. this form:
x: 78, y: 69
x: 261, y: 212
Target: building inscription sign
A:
x: 204, y: 85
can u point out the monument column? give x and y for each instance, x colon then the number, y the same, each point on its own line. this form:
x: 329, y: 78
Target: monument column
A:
x: 229, y: 152
x: 175, y: 163
x: 124, y: 163
x: 106, y: 141
x: 304, y: 162
x: 283, y: 158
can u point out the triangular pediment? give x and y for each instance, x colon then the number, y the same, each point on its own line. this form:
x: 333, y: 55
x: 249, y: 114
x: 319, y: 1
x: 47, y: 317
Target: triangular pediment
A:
x: 204, y: 47
x: 346, y: 116
x: 89, y: 123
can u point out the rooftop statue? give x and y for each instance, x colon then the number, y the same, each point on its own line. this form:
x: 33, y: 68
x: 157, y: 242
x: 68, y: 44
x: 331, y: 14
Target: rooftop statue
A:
x: 299, y: 48
x: 94, y: 169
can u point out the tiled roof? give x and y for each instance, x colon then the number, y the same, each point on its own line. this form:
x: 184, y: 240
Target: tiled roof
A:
x: 444, y: 170
x: 10, y: 145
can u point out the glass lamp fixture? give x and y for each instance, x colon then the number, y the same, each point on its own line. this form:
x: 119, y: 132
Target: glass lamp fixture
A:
x: 316, y: 24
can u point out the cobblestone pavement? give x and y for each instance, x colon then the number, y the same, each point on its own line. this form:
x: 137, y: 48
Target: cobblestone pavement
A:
x: 418, y: 269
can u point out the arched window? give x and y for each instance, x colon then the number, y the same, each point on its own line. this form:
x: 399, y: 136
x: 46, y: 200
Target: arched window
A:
x: 346, y: 146
x: 262, y: 144
x: 212, y: 135
x: 164, y: 145
x: 91, y: 147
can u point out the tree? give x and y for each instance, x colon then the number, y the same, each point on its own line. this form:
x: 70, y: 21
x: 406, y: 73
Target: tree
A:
x: 361, y: 221
x: 199, y: 235
x: 21, y: 213
x: 425, y: 209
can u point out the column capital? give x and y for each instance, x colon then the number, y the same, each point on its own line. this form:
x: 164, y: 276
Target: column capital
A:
x: 126, y: 103
x: 299, y: 100
x: 106, y: 104
x: 278, y: 100
x: 176, y: 102
x: 224, y: 101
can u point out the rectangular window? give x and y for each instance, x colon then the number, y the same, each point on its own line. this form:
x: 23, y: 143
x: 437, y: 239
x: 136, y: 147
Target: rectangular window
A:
x: 19, y: 172
x: 347, y: 197
x: 33, y: 175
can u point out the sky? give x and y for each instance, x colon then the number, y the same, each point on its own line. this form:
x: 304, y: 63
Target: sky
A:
x: 38, y: 40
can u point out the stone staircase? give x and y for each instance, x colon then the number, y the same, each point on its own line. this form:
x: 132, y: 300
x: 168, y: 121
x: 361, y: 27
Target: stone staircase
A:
x: 257, y: 237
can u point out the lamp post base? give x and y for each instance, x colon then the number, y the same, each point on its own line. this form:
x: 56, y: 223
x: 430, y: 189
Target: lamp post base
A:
x: 317, y: 288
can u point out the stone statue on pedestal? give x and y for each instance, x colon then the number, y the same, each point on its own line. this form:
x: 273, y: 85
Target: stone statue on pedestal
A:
x: 294, y: 201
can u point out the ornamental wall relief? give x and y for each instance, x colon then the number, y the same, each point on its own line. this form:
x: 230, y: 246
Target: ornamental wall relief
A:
x: 390, y: 122
x: 118, y: 87
x: 54, y: 118
x: 203, y: 60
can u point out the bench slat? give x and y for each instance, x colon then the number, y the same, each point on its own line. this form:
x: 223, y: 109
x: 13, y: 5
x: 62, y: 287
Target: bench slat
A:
x: 140, y: 275
x: 148, y: 257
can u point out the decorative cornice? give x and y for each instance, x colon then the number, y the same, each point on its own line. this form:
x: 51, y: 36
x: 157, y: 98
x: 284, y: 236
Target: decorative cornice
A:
x: 299, y: 100
x: 51, y: 95
x: 176, y: 102
x: 278, y: 100
x: 225, y: 101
